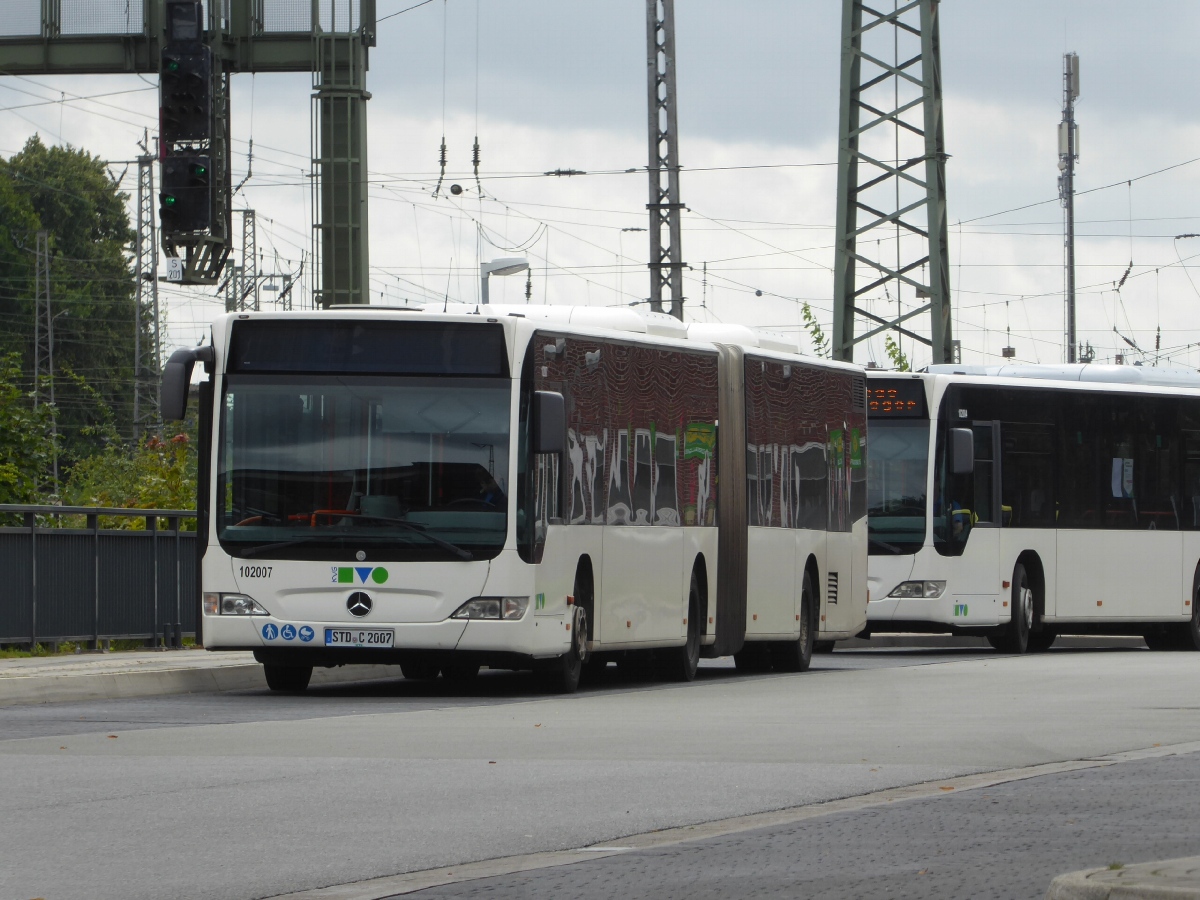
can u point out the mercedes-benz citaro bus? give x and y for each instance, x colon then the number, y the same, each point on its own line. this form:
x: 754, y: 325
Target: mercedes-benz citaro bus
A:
x: 533, y: 488
x: 1022, y: 502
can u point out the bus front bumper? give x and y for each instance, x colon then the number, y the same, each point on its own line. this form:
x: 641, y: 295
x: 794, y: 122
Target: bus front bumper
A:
x: 532, y: 636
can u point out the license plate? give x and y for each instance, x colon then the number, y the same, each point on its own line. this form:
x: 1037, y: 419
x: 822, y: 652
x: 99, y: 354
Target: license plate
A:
x: 358, y: 637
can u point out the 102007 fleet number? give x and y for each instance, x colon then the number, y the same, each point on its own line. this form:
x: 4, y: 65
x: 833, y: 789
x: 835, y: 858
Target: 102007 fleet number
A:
x: 254, y: 571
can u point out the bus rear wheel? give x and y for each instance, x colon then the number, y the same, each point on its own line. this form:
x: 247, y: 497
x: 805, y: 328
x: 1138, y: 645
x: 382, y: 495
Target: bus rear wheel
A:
x: 1015, y: 638
x: 680, y: 663
x: 287, y: 679
x: 796, y: 656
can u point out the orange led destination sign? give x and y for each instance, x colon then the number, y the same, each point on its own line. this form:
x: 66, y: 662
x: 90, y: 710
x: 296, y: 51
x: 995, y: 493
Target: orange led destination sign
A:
x: 895, y: 399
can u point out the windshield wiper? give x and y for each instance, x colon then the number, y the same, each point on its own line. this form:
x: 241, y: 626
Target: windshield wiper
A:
x: 422, y: 531
x: 278, y: 545
x: 411, y: 526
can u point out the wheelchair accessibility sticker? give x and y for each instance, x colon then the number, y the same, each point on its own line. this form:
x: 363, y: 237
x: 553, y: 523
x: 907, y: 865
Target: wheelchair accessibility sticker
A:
x: 287, y: 632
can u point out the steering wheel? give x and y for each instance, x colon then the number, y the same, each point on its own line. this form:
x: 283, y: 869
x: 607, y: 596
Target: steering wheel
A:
x: 464, y: 501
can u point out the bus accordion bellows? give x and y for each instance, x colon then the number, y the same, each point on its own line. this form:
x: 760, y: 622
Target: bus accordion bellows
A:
x: 540, y: 488
x: 1018, y: 503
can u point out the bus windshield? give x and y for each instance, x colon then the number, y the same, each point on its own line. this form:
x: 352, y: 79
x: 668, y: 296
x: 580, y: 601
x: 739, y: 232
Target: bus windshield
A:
x: 897, y: 470
x: 322, y: 467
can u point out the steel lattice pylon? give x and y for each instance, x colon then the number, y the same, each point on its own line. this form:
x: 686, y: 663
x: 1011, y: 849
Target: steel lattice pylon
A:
x: 248, y: 282
x: 43, y: 325
x: 891, y: 196
x: 666, y: 257
x: 146, y: 346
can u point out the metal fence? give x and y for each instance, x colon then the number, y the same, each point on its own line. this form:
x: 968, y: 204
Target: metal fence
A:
x: 92, y: 583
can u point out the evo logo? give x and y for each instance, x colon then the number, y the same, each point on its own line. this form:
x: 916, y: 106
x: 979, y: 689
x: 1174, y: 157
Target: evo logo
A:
x: 358, y: 574
x: 960, y: 609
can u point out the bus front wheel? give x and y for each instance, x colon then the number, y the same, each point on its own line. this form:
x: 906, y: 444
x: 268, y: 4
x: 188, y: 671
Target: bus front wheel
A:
x: 796, y: 656
x: 1015, y: 638
x: 287, y: 679
x: 1189, y: 635
x: 561, y: 674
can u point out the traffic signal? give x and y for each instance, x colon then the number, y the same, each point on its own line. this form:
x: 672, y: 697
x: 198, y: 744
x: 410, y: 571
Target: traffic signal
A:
x: 186, y: 200
x: 185, y: 94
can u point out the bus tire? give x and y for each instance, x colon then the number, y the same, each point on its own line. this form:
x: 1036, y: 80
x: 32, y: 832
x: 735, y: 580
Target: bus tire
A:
x: 1015, y: 637
x: 1187, y: 637
x: 561, y: 674
x: 755, y: 656
x: 419, y: 670
x: 1041, y: 641
x: 680, y: 663
x: 287, y: 679
x: 796, y: 656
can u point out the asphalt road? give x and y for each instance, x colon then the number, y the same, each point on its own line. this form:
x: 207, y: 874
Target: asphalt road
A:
x: 1005, y: 842
x: 252, y: 795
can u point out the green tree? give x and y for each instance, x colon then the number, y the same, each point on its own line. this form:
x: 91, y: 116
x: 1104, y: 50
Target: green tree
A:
x: 157, y: 474
x: 68, y: 193
x: 26, y: 441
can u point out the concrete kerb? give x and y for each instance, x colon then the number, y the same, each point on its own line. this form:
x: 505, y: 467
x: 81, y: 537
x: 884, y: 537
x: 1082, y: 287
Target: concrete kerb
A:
x: 1171, y: 879
x: 110, y: 677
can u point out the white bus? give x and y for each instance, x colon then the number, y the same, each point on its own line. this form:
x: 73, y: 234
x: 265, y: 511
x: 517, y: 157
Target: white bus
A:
x: 1022, y: 502
x: 529, y: 488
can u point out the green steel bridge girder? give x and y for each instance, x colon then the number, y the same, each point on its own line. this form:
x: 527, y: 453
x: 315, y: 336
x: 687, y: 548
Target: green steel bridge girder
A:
x: 339, y: 62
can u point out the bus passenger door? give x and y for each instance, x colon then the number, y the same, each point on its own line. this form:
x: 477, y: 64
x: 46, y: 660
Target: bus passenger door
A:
x: 979, y: 530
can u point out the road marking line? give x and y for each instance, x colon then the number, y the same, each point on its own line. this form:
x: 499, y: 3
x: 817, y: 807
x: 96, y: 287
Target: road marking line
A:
x: 411, y: 882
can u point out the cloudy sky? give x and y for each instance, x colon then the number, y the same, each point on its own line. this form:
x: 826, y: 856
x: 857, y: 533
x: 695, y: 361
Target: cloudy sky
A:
x: 548, y: 85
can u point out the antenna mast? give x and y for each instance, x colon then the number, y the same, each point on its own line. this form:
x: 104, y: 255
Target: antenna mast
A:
x: 1068, y: 153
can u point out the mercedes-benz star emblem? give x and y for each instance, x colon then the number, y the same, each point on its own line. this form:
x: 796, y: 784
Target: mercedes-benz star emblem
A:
x: 359, y: 604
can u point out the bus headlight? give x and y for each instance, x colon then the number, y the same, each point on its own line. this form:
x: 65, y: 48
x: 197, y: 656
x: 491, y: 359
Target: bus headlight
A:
x: 232, y: 605
x: 492, y: 608
x: 927, y: 590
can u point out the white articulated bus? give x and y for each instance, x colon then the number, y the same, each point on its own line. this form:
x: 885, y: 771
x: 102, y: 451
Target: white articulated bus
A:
x: 1023, y: 502
x: 531, y: 488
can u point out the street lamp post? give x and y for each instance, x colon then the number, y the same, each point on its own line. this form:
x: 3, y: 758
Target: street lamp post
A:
x: 509, y: 266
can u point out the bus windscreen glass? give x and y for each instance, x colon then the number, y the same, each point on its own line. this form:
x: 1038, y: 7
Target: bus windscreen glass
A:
x: 314, y: 467
x: 897, y: 470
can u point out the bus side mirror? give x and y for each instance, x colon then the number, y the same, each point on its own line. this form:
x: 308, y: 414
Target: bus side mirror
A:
x: 962, y: 451
x: 549, y: 422
x: 177, y: 379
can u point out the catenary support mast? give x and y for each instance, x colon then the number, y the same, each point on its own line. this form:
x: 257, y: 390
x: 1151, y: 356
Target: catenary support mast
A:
x: 666, y: 255
x: 891, y: 195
